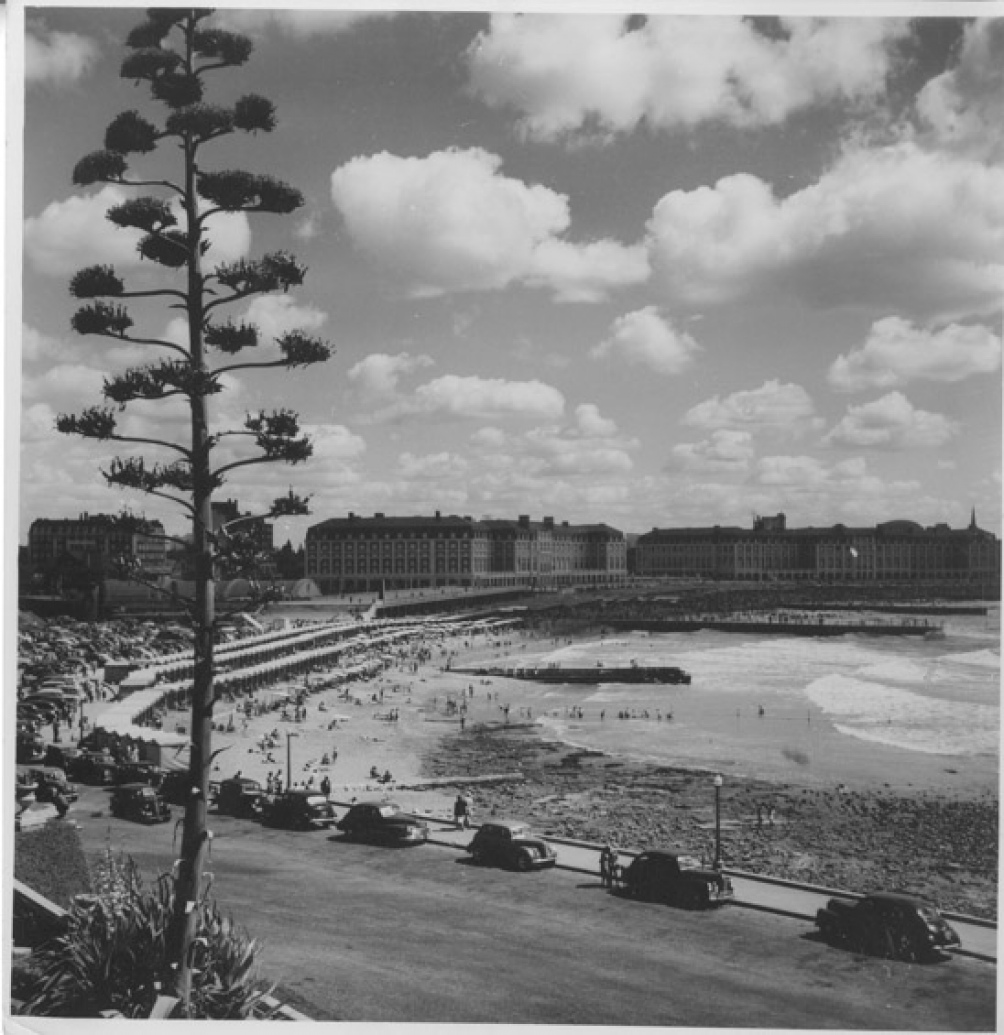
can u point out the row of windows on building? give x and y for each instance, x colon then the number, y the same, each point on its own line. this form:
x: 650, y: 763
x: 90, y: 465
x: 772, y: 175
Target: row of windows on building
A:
x: 892, y: 550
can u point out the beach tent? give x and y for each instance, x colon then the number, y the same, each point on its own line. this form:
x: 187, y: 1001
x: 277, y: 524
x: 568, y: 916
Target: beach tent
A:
x: 305, y: 589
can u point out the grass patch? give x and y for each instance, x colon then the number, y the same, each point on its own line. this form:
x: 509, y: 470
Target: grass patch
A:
x: 50, y: 860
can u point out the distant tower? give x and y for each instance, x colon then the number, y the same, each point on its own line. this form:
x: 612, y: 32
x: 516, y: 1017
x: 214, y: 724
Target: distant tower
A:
x: 973, y: 527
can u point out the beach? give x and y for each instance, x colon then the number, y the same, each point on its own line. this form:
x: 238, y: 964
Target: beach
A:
x: 849, y: 811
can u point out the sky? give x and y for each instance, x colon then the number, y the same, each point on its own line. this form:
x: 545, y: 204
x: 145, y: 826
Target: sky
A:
x: 652, y: 271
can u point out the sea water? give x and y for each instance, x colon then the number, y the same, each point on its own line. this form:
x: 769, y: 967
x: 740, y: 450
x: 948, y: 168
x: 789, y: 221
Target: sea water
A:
x: 851, y: 708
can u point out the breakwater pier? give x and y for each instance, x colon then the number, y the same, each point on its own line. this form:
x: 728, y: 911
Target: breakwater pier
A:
x: 783, y: 624
x: 589, y: 675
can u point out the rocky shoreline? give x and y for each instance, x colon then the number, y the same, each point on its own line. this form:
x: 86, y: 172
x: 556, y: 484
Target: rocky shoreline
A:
x: 941, y: 846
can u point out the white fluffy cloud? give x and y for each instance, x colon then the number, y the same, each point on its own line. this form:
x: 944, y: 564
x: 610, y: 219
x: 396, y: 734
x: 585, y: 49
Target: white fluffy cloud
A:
x: 378, y: 374
x: 600, y: 75
x: 276, y: 315
x: 590, y: 446
x: 587, y: 272
x: 772, y: 406
x: 478, y: 397
x: 68, y: 235
x: 57, y: 58
x: 645, y: 338
x: 724, y: 450
x: 961, y: 108
x: 452, y: 222
x: 302, y: 24
x: 896, y: 352
x: 911, y: 231
x: 891, y: 422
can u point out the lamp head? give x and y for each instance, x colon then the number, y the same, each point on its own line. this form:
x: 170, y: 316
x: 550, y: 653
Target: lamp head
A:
x: 718, y: 780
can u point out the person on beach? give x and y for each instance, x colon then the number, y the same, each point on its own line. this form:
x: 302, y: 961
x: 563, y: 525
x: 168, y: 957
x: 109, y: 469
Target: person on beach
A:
x: 605, y: 867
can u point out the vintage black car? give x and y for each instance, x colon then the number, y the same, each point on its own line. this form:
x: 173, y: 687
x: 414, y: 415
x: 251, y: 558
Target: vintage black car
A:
x: 61, y: 755
x: 240, y: 796
x: 139, y: 802
x: 174, y: 787
x: 679, y: 880
x: 50, y: 782
x: 382, y: 822
x: 887, y: 924
x: 513, y: 845
x: 298, y: 810
x: 30, y: 747
x: 93, y: 767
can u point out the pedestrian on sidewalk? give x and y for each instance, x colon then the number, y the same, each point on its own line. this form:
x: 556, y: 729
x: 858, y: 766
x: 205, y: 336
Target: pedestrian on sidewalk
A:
x: 460, y: 815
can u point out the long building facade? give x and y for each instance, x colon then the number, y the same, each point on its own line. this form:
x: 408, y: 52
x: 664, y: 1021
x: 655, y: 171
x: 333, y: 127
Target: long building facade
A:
x: 363, y: 554
x: 891, y: 552
x: 95, y: 541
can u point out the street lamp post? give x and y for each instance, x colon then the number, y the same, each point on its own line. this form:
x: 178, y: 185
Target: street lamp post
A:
x: 718, y: 821
x: 289, y: 759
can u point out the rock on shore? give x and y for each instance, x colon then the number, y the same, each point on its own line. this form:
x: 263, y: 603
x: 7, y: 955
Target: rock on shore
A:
x: 935, y: 845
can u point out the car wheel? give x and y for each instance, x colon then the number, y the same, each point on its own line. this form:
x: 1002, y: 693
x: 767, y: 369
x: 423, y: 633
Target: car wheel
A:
x: 524, y: 861
x: 903, y: 947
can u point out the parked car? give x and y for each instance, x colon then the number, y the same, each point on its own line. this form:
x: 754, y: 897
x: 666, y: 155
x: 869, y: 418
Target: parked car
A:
x: 30, y: 747
x: 382, y: 822
x: 93, y: 767
x: 61, y: 755
x: 139, y: 802
x: 50, y: 782
x: 887, y: 924
x: 298, y: 810
x: 679, y: 880
x: 240, y: 796
x: 174, y: 787
x: 511, y: 844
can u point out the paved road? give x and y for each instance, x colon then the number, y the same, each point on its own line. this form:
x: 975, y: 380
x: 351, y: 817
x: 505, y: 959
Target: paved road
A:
x: 776, y: 897
x: 358, y: 933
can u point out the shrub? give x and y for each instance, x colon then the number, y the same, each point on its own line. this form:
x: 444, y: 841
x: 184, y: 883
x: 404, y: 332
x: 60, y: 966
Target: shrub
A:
x: 113, y: 955
x: 51, y: 861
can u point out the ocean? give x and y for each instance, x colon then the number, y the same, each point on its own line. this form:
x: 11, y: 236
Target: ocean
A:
x: 851, y: 708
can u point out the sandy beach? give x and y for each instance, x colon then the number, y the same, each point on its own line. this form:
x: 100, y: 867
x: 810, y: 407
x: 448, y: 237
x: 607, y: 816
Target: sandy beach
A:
x: 919, y: 824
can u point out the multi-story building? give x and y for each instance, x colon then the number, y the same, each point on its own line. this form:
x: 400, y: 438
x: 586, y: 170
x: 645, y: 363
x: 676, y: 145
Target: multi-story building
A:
x: 892, y: 551
x: 357, y: 554
x: 96, y: 542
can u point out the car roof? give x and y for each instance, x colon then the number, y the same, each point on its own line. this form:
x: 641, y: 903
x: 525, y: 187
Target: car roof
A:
x: 660, y: 853
x: 373, y: 804
x: 133, y: 787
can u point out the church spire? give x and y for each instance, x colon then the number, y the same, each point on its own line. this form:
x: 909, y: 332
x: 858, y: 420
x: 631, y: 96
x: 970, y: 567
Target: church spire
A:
x: 972, y: 522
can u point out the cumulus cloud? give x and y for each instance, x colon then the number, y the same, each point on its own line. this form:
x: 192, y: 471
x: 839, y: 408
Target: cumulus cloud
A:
x: 301, y: 25
x: 378, y: 373
x: 896, y: 352
x: 68, y: 235
x: 961, y: 108
x: 772, y: 406
x: 276, y: 315
x: 601, y: 75
x: 724, y: 450
x: 452, y: 222
x: 587, y: 272
x: 645, y: 338
x: 432, y: 466
x: 57, y: 58
x: 914, y: 232
x: 591, y: 424
x: 477, y: 397
x: 891, y: 422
